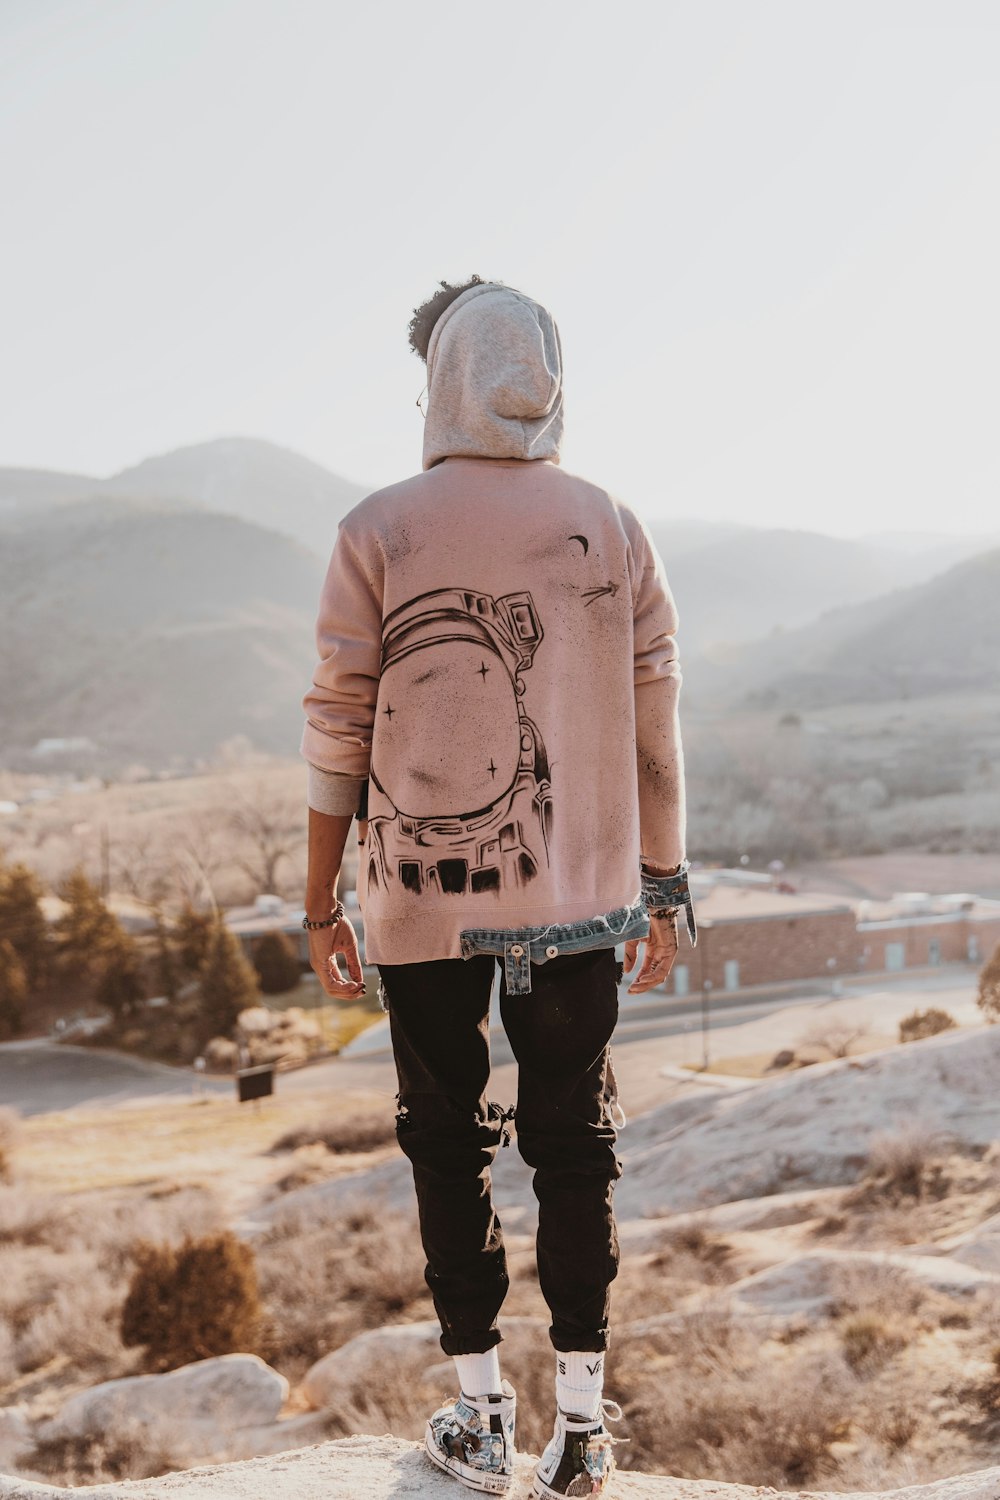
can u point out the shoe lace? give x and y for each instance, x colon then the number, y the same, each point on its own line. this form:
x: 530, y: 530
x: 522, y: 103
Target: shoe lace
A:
x: 609, y: 1411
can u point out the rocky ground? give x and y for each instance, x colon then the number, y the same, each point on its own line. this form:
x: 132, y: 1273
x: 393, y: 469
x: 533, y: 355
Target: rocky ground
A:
x: 809, y: 1296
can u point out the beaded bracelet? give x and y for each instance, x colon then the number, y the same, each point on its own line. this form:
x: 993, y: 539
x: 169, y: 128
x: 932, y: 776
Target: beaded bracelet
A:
x: 336, y: 915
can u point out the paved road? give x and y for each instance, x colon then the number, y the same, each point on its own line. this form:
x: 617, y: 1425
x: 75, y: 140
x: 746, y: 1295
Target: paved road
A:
x: 37, y: 1077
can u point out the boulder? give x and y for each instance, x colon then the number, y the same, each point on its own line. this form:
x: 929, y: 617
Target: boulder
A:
x: 417, y: 1346
x: 202, y: 1400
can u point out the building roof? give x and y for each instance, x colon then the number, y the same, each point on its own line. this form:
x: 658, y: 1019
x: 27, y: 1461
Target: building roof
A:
x: 722, y: 902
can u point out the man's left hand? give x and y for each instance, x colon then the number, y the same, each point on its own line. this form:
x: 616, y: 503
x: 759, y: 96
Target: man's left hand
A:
x: 658, y: 959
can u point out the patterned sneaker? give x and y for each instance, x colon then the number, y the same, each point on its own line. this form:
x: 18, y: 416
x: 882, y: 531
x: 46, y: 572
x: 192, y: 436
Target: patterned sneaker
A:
x: 578, y: 1458
x: 473, y: 1439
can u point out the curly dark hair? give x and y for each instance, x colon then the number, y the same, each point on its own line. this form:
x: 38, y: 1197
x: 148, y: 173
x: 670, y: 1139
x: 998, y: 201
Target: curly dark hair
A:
x: 427, y: 314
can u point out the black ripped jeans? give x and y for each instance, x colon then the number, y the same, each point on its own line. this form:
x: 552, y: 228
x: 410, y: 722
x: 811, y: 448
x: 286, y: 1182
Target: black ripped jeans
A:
x: 560, y: 1035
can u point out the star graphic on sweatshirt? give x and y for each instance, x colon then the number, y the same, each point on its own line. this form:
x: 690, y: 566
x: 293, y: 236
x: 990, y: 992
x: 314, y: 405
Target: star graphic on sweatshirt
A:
x: 482, y: 669
x: 491, y: 768
x: 389, y: 711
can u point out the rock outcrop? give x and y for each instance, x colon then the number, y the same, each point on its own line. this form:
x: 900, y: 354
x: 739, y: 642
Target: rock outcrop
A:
x: 369, y: 1468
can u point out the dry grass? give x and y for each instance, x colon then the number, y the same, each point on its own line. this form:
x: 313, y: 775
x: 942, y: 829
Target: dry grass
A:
x: 10, y: 1129
x: 355, y: 1133
x: 907, y: 1162
x: 324, y: 1279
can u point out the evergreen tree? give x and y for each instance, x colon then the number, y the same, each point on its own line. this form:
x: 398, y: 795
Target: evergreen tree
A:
x: 23, y: 922
x: 167, y: 965
x: 121, y: 986
x: 193, y: 935
x: 988, y: 995
x: 87, y: 932
x: 228, y: 982
x: 276, y: 963
x: 13, y: 989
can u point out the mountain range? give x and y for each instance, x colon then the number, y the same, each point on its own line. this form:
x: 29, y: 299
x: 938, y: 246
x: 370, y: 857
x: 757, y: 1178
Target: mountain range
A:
x: 172, y: 605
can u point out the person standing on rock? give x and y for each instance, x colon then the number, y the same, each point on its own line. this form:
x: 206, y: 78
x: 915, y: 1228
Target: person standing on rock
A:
x: 496, y: 701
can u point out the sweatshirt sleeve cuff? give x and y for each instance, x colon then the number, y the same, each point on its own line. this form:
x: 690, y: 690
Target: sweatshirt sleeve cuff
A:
x: 334, y: 793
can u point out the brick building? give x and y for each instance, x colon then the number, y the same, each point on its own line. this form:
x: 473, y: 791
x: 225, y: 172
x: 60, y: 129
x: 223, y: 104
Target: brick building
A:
x: 914, y: 928
x: 751, y: 932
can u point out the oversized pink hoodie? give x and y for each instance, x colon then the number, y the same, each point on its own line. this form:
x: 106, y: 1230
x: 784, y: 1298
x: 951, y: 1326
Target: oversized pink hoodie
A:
x: 498, y: 661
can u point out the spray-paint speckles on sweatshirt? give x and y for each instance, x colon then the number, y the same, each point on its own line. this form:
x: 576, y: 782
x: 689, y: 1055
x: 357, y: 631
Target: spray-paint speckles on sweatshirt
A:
x: 498, y: 660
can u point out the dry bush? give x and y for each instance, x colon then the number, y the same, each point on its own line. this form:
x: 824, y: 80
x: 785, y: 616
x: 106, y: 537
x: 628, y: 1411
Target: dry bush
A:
x: 167, y: 1214
x: 869, y: 1341
x: 28, y: 1218
x: 58, y: 1303
x: 356, y: 1133
x: 135, y: 1450
x: 192, y: 1301
x: 10, y: 1125
x: 718, y: 1408
x: 924, y: 1023
x: 870, y: 1289
x: 694, y: 1244
x: 905, y: 1162
x: 79, y: 1323
x: 833, y: 1034
x: 325, y: 1277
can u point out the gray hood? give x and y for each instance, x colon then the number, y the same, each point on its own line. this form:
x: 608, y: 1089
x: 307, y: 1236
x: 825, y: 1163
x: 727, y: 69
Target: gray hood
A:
x: 494, y: 379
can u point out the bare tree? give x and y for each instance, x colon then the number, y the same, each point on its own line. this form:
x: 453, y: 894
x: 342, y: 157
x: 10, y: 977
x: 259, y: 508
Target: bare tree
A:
x: 835, y: 1034
x: 270, y: 827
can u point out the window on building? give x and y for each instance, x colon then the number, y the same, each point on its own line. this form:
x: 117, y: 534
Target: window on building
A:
x: 731, y: 976
x: 934, y: 951
x: 682, y: 979
x: 972, y: 948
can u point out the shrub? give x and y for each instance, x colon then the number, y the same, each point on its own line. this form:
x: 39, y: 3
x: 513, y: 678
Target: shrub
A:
x: 869, y: 1340
x: 924, y: 1023
x: 902, y: 1161
x: 192, y: 1301
x: 357, y: 1133
x: 276, y: 963
x: 326, y: 1275
x: 988, y: 989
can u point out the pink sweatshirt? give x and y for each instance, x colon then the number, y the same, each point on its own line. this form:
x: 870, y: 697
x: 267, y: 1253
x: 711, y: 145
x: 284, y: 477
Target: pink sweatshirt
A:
x: 498, y: 660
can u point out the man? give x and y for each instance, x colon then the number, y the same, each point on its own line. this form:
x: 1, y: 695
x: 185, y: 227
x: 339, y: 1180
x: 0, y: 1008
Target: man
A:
x: 496, y: 700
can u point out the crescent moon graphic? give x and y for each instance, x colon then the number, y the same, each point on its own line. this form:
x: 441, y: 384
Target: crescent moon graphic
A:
x: 583, y: 542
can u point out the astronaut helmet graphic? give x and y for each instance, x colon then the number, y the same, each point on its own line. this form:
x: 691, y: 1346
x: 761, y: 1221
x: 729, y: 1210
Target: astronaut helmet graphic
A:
x: 454, y: 752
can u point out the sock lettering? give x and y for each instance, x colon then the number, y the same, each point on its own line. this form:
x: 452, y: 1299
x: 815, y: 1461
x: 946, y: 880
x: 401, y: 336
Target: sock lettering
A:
x: 595, y: 1369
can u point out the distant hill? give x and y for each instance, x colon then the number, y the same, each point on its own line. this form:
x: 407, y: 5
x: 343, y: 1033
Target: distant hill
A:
x: 740, y: 587
x: 155, y: 631
x: 939, y: 636
x: 24, y: 493
x: 244, y: 477
x: 254, y: 480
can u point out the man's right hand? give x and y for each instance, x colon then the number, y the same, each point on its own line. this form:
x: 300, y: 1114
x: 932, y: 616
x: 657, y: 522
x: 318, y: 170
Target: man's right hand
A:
x: 324, y: 945
x: 658, y: 959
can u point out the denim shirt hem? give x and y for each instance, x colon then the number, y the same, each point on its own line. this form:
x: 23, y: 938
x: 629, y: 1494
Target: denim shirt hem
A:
x: 520, y: 947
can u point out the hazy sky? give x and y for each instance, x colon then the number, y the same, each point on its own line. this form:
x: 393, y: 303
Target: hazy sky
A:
x: 769, y: 231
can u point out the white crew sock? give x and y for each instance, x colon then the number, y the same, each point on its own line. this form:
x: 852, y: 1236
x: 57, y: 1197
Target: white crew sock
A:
x: 580, y: 1383
x: 479, y: 1374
